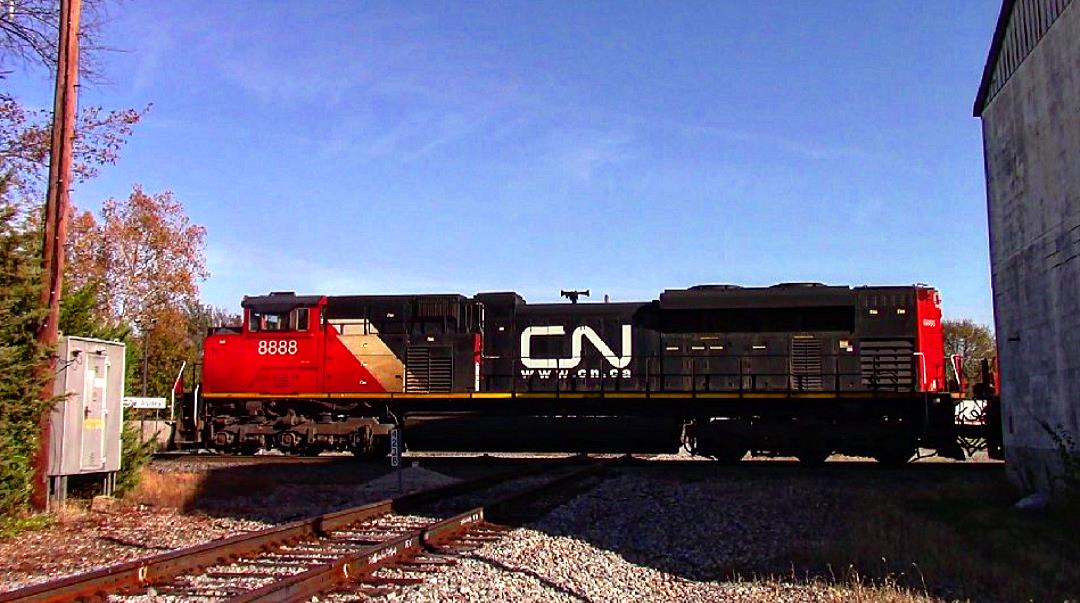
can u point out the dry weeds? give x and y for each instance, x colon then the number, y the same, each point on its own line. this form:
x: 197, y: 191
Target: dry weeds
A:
x: 962, y: 537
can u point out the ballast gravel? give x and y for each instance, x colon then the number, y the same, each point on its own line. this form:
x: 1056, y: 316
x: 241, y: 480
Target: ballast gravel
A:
x: 650, y: 538
x: 82, y: 540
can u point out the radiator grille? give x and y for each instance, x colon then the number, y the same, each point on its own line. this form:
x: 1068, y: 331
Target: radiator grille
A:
x: 806, y: 367
x: 887, y: 364
x: 429, y: 370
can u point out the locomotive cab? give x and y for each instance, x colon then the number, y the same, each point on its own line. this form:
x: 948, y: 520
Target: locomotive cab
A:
x: 276, y: 352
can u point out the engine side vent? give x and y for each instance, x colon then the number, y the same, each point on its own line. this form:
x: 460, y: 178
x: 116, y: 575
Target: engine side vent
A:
x: 429, y: 370
x: 806, y: 365
x: 887, y: 364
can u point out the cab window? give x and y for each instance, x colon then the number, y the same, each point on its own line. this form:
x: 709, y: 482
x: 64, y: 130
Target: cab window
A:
x: 296, y: 320
x: 267, y: 321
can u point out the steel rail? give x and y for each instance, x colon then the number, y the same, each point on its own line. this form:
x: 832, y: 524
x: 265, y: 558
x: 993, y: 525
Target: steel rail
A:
x: 355, y: 567
x: 159, y: 568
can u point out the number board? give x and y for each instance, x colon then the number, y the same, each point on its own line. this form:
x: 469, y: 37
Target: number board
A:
x: 277, y: 347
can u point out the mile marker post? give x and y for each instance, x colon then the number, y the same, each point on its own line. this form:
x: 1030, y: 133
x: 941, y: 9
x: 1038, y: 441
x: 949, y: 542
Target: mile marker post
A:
x: 395, y: 454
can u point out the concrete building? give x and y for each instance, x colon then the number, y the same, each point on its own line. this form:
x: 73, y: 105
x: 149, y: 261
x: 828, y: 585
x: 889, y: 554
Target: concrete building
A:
x: 1029, y: 102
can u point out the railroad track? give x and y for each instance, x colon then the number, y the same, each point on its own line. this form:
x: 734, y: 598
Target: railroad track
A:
x: 368, y: 550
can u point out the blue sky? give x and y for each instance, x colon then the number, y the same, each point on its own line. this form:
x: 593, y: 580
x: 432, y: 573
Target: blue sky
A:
x: 624, y: 147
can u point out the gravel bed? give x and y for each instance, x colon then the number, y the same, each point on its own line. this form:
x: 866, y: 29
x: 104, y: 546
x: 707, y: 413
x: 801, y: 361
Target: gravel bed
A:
x: 460, y: 504
x: 186, y: 463
x: 412, y: 479
x: 81, y: 541
x: 643, y: 536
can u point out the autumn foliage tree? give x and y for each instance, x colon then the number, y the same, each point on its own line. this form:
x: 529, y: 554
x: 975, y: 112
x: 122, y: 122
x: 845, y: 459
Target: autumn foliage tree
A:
x: 25, y: 136
x: 973, y: 341
x: 144, y: 250
x: 145, y: 259
x: 28, y: 36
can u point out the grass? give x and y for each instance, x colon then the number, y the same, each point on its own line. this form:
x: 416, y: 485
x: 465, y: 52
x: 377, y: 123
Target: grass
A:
x: 11, y: 526
x: 957, y: 539
x: 183, y: 490
x: 857, y: 589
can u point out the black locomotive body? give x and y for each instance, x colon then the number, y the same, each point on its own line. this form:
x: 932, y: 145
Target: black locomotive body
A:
x: 803, y: 369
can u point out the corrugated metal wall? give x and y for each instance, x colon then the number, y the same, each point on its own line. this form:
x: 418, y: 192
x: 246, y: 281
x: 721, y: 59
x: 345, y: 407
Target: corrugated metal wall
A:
x: 1029, y: 22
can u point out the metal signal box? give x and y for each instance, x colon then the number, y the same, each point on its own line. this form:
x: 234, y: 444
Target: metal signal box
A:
x: 88, y: 418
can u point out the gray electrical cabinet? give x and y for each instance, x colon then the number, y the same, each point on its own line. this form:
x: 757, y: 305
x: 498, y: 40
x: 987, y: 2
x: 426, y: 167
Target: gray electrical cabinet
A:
x: 88, y: 417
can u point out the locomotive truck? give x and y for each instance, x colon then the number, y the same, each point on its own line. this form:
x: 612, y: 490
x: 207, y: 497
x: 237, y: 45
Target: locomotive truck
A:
x: 799, y: 369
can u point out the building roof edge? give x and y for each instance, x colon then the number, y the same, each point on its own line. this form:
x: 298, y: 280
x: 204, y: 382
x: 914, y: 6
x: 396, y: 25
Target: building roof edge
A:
x: 992, y: 56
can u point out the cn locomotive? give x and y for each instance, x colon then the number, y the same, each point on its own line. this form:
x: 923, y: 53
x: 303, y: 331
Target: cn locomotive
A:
x: 799, y: 369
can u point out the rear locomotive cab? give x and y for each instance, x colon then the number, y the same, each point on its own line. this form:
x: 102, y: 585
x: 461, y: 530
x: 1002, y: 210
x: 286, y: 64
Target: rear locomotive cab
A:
x: 900, y: 341
x: 832, y: 369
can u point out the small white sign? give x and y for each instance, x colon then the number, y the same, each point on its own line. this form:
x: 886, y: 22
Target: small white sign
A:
x: 138, y: 402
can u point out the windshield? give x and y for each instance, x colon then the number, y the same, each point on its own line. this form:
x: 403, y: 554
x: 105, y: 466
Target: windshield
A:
x: 296, y: 320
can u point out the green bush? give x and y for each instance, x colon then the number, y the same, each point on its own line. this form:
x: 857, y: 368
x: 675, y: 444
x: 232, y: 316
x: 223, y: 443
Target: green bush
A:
x: 134, y: 455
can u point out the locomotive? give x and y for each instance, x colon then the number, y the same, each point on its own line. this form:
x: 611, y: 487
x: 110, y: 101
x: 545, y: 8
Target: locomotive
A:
x: 799, y: 369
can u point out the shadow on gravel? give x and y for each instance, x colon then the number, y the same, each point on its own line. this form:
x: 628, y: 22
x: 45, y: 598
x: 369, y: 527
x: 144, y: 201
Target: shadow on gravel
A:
x: 502, y: 567
x: 942, y: 531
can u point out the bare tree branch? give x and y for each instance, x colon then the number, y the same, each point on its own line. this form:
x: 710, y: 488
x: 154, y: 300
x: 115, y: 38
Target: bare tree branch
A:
x: 29, y: 30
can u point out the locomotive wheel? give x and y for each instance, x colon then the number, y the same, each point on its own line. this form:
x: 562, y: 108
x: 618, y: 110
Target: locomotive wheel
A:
x: 813, y: 458
x: 894, y: 457
x: 363, y: 444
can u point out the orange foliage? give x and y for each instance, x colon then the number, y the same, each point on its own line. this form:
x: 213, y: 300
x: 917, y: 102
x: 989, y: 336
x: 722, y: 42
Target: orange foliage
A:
x: 25, y: 136
x: 145, y: 254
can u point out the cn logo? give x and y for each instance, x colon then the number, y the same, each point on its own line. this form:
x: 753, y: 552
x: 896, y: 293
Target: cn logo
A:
x: 575, y: 347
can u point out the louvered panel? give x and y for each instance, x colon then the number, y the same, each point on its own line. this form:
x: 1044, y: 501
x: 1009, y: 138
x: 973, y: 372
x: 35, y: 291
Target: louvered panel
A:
x: 887, y: 364
x: 806, y: 365
x: 417, y: 360
x: 428, y: 370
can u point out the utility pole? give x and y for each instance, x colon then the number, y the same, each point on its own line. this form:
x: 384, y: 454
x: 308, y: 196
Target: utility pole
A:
x: 56, y: 210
